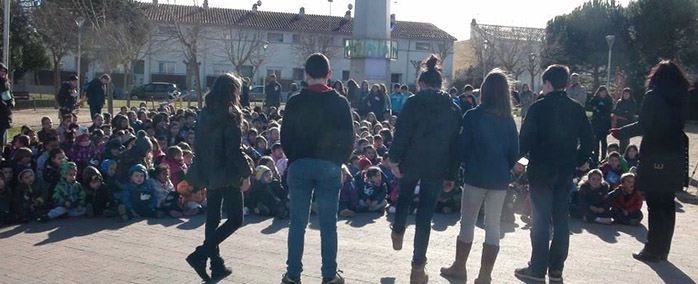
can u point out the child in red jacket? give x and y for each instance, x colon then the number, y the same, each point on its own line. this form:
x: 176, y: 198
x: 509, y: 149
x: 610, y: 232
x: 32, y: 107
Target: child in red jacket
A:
x: 627, y: 202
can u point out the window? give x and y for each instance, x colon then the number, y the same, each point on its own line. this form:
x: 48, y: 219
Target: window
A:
x: 221, y: 68
x: 296, y: 38
x: 138, y: 67
x: 422, y: 46
x: 396, y: 77
x: 166, y: 67
x: 298, y: 74
x: 246, y: 71
x: 345, y: 75
x: 274, y: 71
x: 275, y: 37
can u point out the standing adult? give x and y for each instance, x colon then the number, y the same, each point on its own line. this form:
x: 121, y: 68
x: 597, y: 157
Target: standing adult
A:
x: 556, y: 136
x: 601, y: 106
x: 624, y: 114
x: 272, y: 92
x: 663, y: 162
x: 527, y: 98
x: 576, y: 91
x: 67, y: 97
x: 353, y: 94
x: 489, y: 145
x: 245, y: 93
x: 7, y: 102
x: 424, y: 151
x: 376, y: 102
x: 221, y: 166
x: 363, y: 108
x: 317, y: 137
x: 95, y: 93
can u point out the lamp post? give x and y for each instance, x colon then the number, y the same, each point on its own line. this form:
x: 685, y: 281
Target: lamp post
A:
x: 330, y: 6
x: 485, y: 45
x: 532, y: 66
x: 79, y: 21
x: 265, y: 45
x: 609, y: 40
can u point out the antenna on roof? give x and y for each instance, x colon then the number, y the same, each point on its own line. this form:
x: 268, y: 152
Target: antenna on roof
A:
x: 392, y: 22
x: 254, y: 9
x: 301, y: 12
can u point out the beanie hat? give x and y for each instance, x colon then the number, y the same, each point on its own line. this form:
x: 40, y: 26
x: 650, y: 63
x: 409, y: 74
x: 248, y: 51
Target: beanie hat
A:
x: 66, y: 167
x: 138, y: 168
x: 143, y: 144
x: 113, y: 144
x: 364, y: 163
x: 82, y: 130
x: 126, y: 138
x: 105, y: 165
x: 260, y: 170
x: 91, y: 173
x: 23, y: 172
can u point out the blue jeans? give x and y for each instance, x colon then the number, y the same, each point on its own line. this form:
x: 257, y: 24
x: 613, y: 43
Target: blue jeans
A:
x: 549, y: 202
x: 429, y: 190
x: 322, y: 177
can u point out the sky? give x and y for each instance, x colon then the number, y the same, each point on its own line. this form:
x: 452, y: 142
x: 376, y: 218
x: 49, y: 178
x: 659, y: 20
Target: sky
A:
x: 452, y: 16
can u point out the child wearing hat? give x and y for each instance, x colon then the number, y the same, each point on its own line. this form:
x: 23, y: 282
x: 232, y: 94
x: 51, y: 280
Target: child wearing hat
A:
x: 134, y: 156
x: 82, y: 150
x: 30, y: 196
x: 516, y: 199
x: 98, y: 201
x: 268, y: 195
x: 138, y: 198
x: 69, y: 196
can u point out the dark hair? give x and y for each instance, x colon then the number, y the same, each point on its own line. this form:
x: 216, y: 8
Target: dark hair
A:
x: 372, y: 171
x: 276, y: 145
x: 172, y: 151
x: 73, y: 78
x: 396, y: 85
x: 317, y: 66
x: 467, y: 88
x: 629, y: 91
x: 430, y: 74
x: 55, y: 153
x: 453, y: 90
x: 613, y: 145
x: 558, y: 75
x: 495, y: 93
x: 668, y: 75
x: 601, y: 88
x: 23, y: 152
x: 105, y: 77
x: 22, y: 139
x: 404, y: 87
x: 627, y: 151
x: 161, y: 168
x: 223, y: 101
x: 614, y: 154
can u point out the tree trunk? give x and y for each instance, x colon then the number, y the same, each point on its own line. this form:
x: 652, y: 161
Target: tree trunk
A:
x: 127, y: 81
x: 56, y: 78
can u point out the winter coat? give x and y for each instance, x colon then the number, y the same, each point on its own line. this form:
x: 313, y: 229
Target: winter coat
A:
x: 663, y: 157
x: 630, y: 202
x: 425, y: 143
x: 624, y: 112
x: 95, y: 92
x: 6, y: 106
x: 601, y: 114
x: 594, y: 197
x: 143, y: 193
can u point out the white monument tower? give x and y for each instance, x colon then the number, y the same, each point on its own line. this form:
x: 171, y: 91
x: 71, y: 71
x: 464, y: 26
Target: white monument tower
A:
x: 371, y: 50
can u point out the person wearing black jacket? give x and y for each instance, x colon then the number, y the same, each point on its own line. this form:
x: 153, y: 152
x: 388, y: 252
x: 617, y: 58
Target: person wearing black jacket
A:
x: 67, y: 97
x: 317, y: 138
x: 272, y: 92
x: 95, y: 93
x: 624, y: 114
x: 7, y: 102
x: 601, y: 106
x: 424, y: 151
x: 221, y: 166
x: 556, y: 136
x: 663, y: 160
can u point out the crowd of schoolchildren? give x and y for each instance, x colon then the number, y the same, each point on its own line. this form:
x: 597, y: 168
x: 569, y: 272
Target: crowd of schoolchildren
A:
x: 134, y: 165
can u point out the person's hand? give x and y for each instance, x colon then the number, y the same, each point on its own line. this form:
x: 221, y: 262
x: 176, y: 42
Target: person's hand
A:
x: 448, y: 185
x: 613, y: 132
x: 245, y: 184
x: 396, y: 171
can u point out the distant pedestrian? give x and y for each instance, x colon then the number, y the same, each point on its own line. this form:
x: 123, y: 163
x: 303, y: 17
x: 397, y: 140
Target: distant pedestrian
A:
x: 272, y: 92
x: 576, y: 91
x: 6, y: 104
x: 67, y: 97
x: 95, y: 93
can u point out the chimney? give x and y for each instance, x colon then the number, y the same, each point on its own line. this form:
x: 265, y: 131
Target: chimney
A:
x: 301, y: 12
x: 155, y: 2
x: 347, y: 15
x: 254, y: 9
x: 205, y: 5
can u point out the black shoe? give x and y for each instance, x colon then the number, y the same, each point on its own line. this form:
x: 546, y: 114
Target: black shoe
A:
x: 219, y: 273
x: 198, y: 262
x: 526, y: 274
x: 646, y: 257
x: 555, y: 276
x: 290, y: 280
x: 337, y: 279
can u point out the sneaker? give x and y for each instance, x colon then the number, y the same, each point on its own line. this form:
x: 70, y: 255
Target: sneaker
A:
x: 555, y: 275
x: 123, y: 213
x: 346, y: 213
x: 337, y: 279
x: 527, y: 274
x: 290, y: 280
x: 220, y: 273
x: 605, y: 221
x: 90, y: 210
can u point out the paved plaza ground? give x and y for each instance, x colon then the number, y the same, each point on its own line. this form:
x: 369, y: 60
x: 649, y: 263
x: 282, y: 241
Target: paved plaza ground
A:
x: 101, y: 250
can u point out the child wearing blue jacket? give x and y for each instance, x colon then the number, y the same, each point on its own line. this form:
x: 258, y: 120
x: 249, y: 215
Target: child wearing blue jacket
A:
x: 373, y: 190
x: 138, y: 198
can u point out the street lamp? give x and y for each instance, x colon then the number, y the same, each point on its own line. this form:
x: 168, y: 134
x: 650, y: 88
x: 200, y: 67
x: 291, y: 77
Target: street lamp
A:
x: 532, y: 65
x: 79, y: 21
x: 609, y: 40
x: 485, y: 45
x: 265, y: 45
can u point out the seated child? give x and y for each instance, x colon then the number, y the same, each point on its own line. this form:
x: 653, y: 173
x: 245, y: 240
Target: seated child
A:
x: 138, y: 198
x: 517, y: 198
x: 192, y: 200
x: 175, y: 162
x: 30, y: 196
x: 626, y: 202
x: 630, y: 156
x: 69, y: 197
x: 373, y: 190
x: 98, y: 196
x: 348, y: 197
x: 166, y: 194
x: 108, y: 170
x: 612, y: 170
x: 594, y: 203
x: 52, y: 168
x: 7, y: 212
x: 268, y: 195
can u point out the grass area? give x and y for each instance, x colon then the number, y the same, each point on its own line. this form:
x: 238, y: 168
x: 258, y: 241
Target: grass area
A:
x: 47, y: 101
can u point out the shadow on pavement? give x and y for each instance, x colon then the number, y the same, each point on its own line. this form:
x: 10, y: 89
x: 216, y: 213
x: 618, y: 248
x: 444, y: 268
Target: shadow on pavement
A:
x: 275, y: 226
x: 193, y: 222
x: 441, y: 222
x: 64, y: 229
x: 362, y: 219
x: 387, y: 280
x: 670, y: 273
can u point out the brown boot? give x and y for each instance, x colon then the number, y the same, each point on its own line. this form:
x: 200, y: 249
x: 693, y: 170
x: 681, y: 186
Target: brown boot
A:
x: 397, y: 240
x: 457, y: 269
x: 419, y: 274
x: 489, y: 256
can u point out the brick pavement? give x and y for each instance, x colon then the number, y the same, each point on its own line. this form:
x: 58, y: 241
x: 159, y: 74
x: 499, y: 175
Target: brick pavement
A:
x: 84, y: 250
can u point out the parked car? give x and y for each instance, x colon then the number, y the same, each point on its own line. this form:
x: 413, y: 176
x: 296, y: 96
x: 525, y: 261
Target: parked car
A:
x: 257, y: 93
x: 156, y: 91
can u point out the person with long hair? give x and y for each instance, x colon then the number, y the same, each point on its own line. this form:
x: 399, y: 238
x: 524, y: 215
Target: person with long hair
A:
x: 663, y: 159
x: 624, y: 114
x: 223, y: 169
x: 428, y: 126
x: 489, y: 145
x: 6, y: 105
x: 601, y: 105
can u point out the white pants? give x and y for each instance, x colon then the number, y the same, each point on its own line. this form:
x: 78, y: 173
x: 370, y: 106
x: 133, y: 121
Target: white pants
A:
x: 60, y: 210
x: 470, y: 207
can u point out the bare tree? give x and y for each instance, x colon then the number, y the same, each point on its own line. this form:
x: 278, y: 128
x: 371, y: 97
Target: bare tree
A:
x: 245, y: 47
x: 442, y: 49
x: 507, y: 47
x: 312, y: 43
x: 55, y: 23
